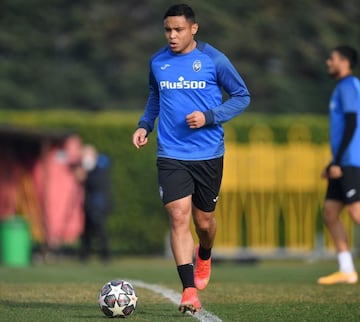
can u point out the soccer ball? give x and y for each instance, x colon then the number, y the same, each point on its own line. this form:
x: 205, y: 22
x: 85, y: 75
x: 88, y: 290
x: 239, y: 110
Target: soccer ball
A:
x: 117, y: 298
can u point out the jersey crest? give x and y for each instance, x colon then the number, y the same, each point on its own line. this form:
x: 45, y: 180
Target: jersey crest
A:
x: 196, y: 65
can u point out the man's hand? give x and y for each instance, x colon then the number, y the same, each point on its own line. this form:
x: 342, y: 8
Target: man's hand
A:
x: 332, y: 172
x: 335, y: 172
x: 195, y: 120
x: 139, y: 138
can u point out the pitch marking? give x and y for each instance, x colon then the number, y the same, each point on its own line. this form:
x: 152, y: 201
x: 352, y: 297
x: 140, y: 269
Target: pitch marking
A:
x: 175, y: 297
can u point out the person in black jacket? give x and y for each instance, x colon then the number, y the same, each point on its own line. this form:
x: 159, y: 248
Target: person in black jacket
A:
x: 97, y: 202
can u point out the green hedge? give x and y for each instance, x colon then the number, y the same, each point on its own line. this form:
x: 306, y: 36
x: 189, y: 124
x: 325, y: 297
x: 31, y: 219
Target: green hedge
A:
x: 139, y: 223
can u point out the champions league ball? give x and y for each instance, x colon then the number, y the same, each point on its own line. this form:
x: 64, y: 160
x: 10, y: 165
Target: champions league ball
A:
x: 117, y: 298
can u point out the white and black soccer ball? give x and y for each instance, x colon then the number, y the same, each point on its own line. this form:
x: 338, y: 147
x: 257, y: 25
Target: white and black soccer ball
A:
x: 117, y: 298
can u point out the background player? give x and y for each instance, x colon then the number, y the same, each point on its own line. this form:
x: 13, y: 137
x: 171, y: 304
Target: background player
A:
x: 343, y: 173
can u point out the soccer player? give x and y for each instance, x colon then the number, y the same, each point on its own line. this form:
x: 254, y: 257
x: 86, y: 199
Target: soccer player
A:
x: 343, y: 173
x: 186, y: 80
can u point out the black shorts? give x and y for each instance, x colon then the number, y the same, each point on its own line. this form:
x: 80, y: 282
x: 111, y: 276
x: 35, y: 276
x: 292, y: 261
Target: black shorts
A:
x: 346, y: 188
x: 201, y: 179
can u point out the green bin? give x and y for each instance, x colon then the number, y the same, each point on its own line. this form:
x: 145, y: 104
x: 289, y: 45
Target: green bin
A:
x: 15, y: 242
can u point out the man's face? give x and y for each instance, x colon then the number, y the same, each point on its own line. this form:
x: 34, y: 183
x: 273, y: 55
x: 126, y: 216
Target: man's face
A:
x: 179, y: 33
x: 336, y: 64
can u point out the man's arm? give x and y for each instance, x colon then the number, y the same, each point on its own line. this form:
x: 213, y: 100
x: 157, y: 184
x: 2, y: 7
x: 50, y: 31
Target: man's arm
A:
x: 333, y: 170
x: 234, y: 86
x: 350, y: 127
x: 152, y: 107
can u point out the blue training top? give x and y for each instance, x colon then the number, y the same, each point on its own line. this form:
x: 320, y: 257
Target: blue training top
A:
x: 183, y: 83
x: 345, y: 99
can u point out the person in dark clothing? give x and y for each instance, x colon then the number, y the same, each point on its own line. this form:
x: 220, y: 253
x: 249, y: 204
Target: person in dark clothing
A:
x: 97, y: 202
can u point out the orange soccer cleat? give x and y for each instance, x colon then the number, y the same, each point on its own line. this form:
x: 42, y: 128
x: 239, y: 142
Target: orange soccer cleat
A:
x: 202, y: 271
x: 190, y: 301
x: 339, y: 277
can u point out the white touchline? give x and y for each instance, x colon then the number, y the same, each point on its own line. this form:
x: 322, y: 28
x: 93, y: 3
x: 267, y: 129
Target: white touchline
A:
x: 175, y: 297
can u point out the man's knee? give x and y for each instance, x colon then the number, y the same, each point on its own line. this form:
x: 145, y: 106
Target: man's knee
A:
x: 204, y: 221
x: 179, y: 212
x: 331, y: 212
x: 354, y: 211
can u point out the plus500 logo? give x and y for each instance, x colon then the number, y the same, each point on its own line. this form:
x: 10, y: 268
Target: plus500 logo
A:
x: 182, y: 84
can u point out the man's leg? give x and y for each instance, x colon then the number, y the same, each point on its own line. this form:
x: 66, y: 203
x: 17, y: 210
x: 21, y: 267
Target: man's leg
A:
x: 205, y: 225
x: 105, y: 254
x: 346, y: 273
x: 182, y: 245
x: 354, y: 211
x: 332, y: 220
x: 85, y: 248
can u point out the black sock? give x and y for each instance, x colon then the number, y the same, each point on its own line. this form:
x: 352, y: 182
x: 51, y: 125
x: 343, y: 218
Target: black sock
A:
x: 204, y: 253
x: 186, y: 273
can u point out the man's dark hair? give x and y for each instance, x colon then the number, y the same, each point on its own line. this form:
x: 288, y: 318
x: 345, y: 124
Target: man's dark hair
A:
x: 181, y: 10
x: 348, y: 53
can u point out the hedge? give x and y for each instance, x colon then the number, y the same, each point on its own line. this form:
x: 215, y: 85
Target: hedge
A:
x: 138, y: 223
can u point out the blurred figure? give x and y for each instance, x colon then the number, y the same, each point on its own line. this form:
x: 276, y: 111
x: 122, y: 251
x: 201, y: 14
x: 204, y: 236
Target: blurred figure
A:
x: 98, y: 202
x: 343, y: 173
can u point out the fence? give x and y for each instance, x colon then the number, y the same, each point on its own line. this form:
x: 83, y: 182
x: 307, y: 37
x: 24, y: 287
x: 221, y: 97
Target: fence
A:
x: 272, y: 195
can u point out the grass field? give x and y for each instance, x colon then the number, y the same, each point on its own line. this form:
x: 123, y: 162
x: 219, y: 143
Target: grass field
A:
x: 267, y: 291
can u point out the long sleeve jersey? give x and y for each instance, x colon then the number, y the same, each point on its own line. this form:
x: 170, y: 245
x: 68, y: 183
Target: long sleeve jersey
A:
x: 345, y: 100
x: 183, y: 83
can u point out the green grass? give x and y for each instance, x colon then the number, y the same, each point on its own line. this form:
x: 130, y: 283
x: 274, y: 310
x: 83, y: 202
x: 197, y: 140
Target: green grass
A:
x: 268, y: 291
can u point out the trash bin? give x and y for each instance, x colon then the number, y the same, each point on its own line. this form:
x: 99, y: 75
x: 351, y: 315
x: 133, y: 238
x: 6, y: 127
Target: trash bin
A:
x: 15, y: 242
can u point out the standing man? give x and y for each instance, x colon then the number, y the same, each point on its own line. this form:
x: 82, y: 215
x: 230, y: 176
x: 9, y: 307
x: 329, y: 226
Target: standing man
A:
x: 185, y: 81
x: 98, y: 201
x: 343, y: 173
